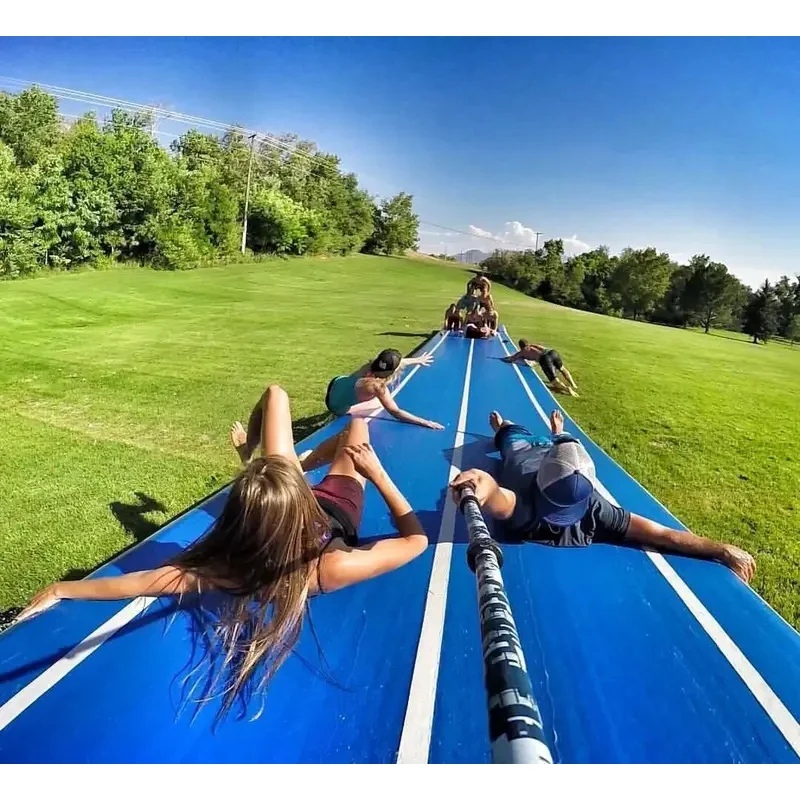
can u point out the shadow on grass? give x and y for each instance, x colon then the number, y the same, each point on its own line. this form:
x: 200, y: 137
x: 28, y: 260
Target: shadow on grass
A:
x: 302, y: 428
x: 133, y: 516
x: 408, y: 334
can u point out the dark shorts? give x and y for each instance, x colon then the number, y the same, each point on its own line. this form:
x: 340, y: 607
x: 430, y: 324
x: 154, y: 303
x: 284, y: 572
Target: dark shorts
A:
x: 342, y: 499
x: 473, y: 332
x: 550, y: 361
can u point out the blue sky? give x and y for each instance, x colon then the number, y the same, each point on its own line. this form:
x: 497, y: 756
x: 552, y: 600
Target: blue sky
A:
x: 690, y: 145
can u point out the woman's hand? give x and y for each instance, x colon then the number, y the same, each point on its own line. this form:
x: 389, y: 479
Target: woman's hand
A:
x: 434, y: 426
x: 41, y: 601
x: 425, y: 360
x: 366, y: 461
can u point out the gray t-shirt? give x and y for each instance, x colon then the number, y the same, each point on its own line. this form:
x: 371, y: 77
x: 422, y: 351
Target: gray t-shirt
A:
x: 602, y: 522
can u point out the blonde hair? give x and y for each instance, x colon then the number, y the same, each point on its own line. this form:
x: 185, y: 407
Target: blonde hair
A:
x: 261, y: 552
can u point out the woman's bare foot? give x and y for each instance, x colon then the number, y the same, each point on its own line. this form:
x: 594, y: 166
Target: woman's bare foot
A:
x: 239, y: 441
x: 556, y: 422
x: 495, y: 421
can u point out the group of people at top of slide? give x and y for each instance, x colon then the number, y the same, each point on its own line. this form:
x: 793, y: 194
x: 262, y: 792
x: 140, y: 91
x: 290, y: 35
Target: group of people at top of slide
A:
x: 280, y: 540
x: 479, y: 319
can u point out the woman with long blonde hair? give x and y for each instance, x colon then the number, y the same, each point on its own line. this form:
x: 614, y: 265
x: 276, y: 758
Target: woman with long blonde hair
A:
x: 277, y: 542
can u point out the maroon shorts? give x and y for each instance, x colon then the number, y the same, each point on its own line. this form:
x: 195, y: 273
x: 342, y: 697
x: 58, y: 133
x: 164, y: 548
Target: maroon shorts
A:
x: 342, y: 499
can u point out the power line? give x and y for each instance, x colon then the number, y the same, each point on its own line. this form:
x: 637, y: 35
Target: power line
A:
x: 91, y: 98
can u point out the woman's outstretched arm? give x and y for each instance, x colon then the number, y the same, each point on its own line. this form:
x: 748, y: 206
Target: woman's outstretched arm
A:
x: 148, y: 583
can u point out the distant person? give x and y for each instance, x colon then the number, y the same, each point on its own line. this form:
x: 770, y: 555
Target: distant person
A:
x: 546, y: 493
x: 550, y: 361
x: 452, y: 318
x: 470, y: 301
x: 491, y: 315
x: 277, y: 542
x: 476, y: 325
x: 479, y: 283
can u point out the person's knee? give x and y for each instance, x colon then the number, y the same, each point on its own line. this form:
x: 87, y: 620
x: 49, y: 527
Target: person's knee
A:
x: 275, y: 394
x: 358, y: 430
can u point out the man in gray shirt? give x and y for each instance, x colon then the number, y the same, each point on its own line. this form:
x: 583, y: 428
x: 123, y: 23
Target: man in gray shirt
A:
x: 546, y: 493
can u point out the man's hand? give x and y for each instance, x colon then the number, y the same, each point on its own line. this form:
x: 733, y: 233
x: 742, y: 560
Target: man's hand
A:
x: 739, y: 562
x: 366, y: 461
x: 434, y: 426
x: 425, y: 360
x: 482, y: 483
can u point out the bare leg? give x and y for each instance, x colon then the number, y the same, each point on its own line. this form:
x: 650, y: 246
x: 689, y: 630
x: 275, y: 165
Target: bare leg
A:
x: 276, y: 428
x: 566, y: 373
x: 323, y: 453
x: 357, y: 432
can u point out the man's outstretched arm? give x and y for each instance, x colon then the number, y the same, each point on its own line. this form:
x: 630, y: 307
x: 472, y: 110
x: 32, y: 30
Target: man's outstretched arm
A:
x: 513, y: 357
x: 659, y: 537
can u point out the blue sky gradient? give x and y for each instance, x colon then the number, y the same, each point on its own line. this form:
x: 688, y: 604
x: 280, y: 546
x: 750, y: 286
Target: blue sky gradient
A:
x: 690, y: 145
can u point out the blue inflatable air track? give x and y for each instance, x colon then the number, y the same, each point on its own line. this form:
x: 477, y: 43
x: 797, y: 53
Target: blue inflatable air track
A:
x: 634, y: 657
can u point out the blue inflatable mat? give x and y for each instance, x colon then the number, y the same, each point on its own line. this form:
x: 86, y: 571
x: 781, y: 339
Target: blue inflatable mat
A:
x: 634, y: 657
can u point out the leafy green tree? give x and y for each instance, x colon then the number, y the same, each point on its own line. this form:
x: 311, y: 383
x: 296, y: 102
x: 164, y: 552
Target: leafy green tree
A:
x: 786, y: 295
x: 396, y: 226
x: 29, y: 124
x: 761, y: 314
x: 709, y: 292
x: 597, y: 269
x: 793, y: 329
x: 641, y: 278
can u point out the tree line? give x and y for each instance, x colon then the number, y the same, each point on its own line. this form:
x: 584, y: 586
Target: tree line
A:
x: 648, y: 285
x: 92, y: 192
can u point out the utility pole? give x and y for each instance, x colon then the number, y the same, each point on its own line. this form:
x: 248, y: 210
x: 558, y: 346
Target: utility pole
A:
x: 247, y: 192
x: 538, y: 234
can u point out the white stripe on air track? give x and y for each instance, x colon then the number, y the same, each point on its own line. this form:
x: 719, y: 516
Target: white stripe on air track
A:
x: 780, y: 715
x: 415, y: 738
x: 29, y: 694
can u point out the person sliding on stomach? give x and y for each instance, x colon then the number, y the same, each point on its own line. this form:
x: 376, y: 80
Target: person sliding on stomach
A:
x: 549, y: 361
x: 277, y: 542
x: 546, y: 493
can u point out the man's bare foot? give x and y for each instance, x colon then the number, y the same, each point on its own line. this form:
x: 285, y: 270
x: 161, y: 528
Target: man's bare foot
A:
x: 239, y: 441
x: 495, y: 421
x: 556, y: 422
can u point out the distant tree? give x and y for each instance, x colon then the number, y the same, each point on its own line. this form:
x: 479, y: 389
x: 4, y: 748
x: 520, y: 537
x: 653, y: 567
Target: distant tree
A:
x: 786, y: 295
x: 29, y: 124
x: 793, y: 329
x: 709, y: 292
x: 597, y: 269
x: 761, y: 314
x: 396, y: 226
x: 669, y: 309
x: 640, y: 278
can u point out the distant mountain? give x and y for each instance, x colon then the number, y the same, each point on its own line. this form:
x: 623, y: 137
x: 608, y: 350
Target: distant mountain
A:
x: 471, y: 256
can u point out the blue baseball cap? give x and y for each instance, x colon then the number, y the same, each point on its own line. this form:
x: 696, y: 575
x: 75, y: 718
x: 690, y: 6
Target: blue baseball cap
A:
x: 565, y: 481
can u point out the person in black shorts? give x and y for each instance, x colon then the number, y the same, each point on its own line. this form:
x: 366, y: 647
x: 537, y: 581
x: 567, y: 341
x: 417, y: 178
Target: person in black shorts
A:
x: 550, y: 362
x: 546, y: 493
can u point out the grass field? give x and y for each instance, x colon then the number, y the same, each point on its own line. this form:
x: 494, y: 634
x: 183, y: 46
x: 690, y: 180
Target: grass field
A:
x: 117, y: 389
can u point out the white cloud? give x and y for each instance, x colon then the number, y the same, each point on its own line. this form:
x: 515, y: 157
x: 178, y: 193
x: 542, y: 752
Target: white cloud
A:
x: 480, y: 232
x: 573, y: 246
x: 520, y: 233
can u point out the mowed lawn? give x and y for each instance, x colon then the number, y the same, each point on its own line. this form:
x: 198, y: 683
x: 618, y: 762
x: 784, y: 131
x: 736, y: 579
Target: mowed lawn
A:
x: 117, y: 389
